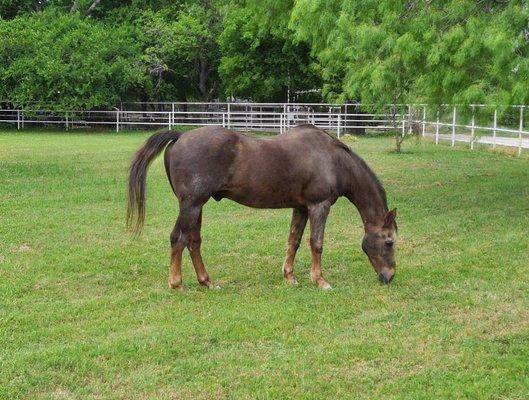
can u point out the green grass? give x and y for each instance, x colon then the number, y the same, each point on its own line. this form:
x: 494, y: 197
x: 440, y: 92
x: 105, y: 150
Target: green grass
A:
x: 85, y: 312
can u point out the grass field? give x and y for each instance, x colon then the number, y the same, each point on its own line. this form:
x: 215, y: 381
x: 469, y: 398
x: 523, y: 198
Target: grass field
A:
x: 85, y: 312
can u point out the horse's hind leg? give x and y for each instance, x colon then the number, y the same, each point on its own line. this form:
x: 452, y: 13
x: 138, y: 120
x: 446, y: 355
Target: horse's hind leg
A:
x: 194, y: 250
x: 297, y: 226
x: 181, y: 235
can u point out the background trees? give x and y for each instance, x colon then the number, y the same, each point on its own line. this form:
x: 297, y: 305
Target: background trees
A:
x: 89, y: 53
x: 262, y: 60
x: 53, y: 57
x: 411, y: 51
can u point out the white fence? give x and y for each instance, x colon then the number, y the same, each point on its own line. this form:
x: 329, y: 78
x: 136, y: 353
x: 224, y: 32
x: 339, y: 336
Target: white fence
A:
x: 239, y: 116
x: 476, y: 124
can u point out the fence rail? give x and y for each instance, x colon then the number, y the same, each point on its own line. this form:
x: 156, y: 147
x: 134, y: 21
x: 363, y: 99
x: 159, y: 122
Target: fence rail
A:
x: 476, y: 124
x: 238, y: 116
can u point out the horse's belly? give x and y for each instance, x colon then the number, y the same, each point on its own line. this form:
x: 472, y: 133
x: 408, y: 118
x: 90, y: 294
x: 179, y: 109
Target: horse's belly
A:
x: 252, y: 197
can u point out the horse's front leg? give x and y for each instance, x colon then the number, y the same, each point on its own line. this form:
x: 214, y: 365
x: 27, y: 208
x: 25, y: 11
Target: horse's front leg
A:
x: 194, y: 250
x: 318, y: 216
x: 297, y: 226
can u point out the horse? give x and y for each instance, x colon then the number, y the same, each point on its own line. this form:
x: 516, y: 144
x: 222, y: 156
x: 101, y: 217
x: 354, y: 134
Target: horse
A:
x: 305, y: 169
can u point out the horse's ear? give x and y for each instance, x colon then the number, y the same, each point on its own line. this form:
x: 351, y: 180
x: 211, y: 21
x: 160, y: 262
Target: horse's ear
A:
x: 390, y: 219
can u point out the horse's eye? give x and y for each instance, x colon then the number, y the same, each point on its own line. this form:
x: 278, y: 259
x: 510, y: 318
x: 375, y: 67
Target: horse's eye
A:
x: 389, y: 242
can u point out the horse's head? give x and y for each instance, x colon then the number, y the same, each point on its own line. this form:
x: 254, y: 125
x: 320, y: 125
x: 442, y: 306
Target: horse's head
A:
x: 379, y: 245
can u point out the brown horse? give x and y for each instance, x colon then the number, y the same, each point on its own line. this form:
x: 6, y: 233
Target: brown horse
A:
x: 305, y: 169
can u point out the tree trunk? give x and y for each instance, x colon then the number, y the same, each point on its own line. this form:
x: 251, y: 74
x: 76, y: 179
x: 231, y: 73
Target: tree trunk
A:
x: 395, y: 128
x: 398, y: 143
x: 203, y: 79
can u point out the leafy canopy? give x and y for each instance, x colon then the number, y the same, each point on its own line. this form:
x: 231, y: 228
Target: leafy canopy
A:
x: 94, y: 53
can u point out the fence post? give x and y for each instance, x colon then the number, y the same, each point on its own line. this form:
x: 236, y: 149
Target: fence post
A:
x: 285, y: 118
x: 494, y: 130
x: 410, y: 119
x: 345, y: 113
x: 229, y: 115
x: 66, y: 122
x: 117, y: 121
x: 223, y: 120
x: 339, y: 125
x: 521, y: 130
x: 172, y: 114
x: 437, y: 129
x: 423, y: 121
x: 22, y: 118
x: 18, y: 119
x: 472, y: 130
x: 454, y: 127
x: 246, y: 118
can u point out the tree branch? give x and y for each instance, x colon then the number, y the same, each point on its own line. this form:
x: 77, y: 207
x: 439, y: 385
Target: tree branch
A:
x: 95, y: 3
x: 74, y: 7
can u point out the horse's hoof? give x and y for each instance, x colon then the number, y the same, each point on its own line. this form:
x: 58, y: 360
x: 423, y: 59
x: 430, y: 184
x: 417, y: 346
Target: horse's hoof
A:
x: 178, y: 287
x: 324, y: 286
x: 291, y: 281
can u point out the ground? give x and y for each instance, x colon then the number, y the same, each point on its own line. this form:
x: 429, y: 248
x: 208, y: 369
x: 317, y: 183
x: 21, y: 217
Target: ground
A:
x: 85, y: 312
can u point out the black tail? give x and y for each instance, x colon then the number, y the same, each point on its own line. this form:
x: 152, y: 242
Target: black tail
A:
x: 138, y: 172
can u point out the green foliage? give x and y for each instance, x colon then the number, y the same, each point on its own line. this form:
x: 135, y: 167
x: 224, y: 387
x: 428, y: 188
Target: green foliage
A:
x: 390, y: 51
x: 181, y: 52
x: 73, y: 62
x: 373, y: 51
x: 263, y: 62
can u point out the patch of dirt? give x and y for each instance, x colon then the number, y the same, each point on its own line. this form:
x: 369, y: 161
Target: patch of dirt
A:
x: 23, y: 248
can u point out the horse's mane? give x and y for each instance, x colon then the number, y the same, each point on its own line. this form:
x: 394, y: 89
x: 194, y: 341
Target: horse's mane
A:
x: 362, y: 163
x: 357, y: 159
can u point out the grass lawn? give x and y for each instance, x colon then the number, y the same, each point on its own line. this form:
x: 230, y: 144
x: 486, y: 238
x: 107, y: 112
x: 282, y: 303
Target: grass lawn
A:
x: 85, y: 312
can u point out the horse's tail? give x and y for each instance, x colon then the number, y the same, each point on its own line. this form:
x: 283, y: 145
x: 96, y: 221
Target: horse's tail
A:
x: 138, y: 173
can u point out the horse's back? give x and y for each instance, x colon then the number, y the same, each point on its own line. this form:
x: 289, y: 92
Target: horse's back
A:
x: 290, y: 170
x: 285, y: 171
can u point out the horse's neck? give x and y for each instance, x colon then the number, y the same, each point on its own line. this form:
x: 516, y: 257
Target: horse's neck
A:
x: 366, y: 195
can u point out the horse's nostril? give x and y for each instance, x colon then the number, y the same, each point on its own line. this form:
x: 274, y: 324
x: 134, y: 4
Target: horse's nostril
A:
x: 383, y: 279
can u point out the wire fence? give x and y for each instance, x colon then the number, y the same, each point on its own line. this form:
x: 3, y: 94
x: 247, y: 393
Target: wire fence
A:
x: 475, y: 124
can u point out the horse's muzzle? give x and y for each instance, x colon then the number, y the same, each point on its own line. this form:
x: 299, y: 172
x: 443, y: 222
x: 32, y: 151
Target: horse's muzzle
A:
x: 384, y: 279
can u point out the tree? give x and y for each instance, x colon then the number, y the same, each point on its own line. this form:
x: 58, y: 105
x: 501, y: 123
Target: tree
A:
x: 390, y: 52
x: 376, y: 52
x: 72, y: 62
x: 181, y: 51
x: 434, y: 51
x: 480, y: 54
x: 264, y: 64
